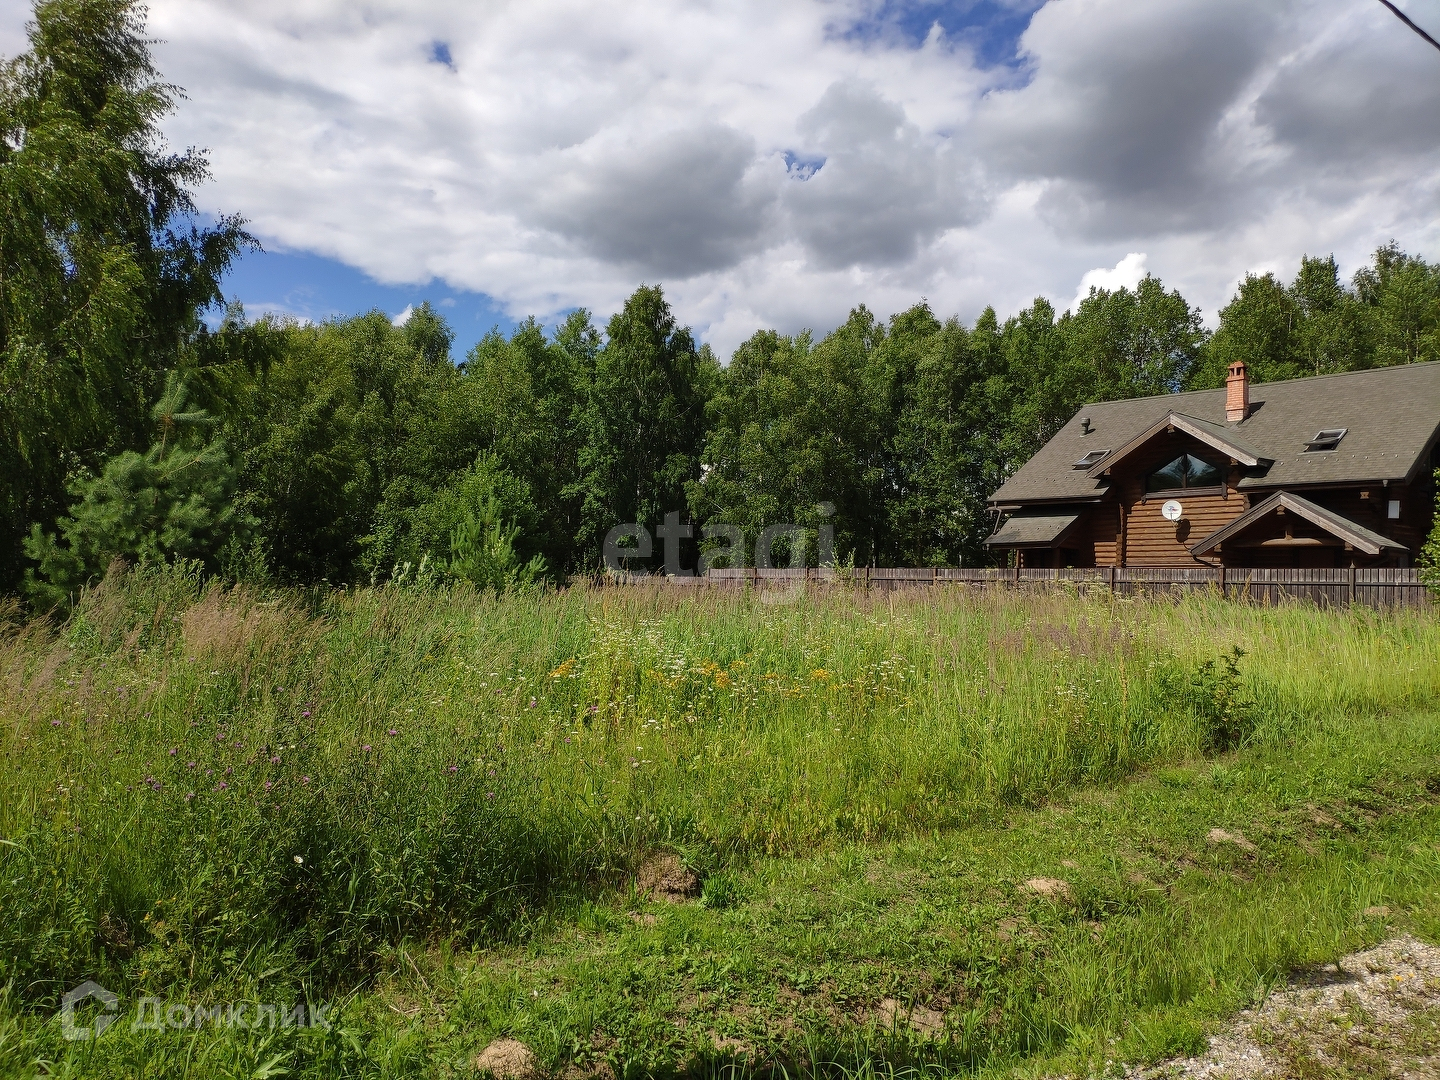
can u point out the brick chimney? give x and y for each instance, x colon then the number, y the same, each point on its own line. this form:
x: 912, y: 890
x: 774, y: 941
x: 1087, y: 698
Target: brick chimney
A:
x: 1237, y: 393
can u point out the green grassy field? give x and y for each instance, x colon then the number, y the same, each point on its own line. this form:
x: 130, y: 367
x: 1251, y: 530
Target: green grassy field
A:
x: 426, y: 811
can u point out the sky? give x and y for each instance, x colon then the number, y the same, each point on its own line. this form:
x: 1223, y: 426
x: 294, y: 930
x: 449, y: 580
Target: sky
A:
x: 774, y: 164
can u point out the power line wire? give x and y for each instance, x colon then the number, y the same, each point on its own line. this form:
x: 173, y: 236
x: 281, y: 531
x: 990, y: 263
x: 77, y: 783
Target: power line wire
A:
x: 1410, y: 23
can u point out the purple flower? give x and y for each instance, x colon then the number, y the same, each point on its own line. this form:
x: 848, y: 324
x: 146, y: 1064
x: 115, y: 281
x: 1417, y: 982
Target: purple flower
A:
x: 532, y: 703
x: 190, y: 765
x: 305, y: 714
x: 392, y: 732
x: 304, y: 779
x: 366, y: 748
x: 567, y: 738
x: 221, y: 786
x: 454, y: 768
x: 268, y: 785
x: 489, y: 794
x: 275, y: 760
x: 489, y: 772
x: 173, y: 749
x: 54, y: 723
x: 189, y: 795
x: 209, y: 772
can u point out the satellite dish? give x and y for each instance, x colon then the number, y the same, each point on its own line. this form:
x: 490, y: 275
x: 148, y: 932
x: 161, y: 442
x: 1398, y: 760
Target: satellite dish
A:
x: 1172, y: 510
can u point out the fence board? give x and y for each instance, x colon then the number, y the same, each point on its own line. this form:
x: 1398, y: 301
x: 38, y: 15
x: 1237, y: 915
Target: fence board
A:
x: 1375, y: 587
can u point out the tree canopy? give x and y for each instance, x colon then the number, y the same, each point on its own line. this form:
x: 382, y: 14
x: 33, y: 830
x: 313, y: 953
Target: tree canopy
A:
x: 141, y: 419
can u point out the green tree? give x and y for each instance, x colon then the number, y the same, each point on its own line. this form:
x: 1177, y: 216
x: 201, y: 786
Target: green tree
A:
x: 532, y: 392
x: 1125, y: 344
x: 1261, y: 327
x: 1401, y: 294
x: 172, y: 502
x: 102, y: 282
x: 482, y: 551
x: 644, y: 420
x: 1430, y: 552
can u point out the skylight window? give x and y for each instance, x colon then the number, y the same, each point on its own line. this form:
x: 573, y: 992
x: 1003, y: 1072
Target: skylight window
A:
x: 1328, y: 439
x: 1090, y: 459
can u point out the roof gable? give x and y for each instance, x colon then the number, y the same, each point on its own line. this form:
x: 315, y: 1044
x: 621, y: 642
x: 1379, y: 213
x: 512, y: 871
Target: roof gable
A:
x: 1210, y: 434
x: 1353, y: 533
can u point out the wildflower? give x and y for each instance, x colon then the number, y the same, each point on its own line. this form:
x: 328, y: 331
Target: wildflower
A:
x: 275, y: 760
x: 189, y: 795
x: 304, y: 779
x: 366, y: 748
x: 489, y: 794
x: 173, y: 750
x: 229, y: 770
x: 489, y: 772
x: 221, y: 786
x: 567, y: 738
x: 268, y: 785
x: 299, y: 861
x: 305, y: 714
x: 392, y: 732
x: 454, y: 768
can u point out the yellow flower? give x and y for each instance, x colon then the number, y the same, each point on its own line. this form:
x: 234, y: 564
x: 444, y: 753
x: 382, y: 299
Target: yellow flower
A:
x: 564, y: 669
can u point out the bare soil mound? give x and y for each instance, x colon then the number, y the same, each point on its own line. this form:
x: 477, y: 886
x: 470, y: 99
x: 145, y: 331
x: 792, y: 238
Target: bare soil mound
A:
x: 507, y: 1059
x: 666, y: 879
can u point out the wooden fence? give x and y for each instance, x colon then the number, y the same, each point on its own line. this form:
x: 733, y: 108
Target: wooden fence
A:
x: 1373, y: 588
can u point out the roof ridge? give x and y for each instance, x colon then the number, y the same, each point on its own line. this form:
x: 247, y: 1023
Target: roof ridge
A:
x: 1278, y: 382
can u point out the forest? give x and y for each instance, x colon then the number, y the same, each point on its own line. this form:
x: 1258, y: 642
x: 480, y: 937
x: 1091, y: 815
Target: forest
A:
x: 144, y: 418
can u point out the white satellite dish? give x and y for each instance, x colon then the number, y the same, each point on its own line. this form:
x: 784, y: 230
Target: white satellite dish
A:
x: 1172, y: 510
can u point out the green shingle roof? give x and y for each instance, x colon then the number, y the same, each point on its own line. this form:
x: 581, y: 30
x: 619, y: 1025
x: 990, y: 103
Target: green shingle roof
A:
x: 1393, y: 417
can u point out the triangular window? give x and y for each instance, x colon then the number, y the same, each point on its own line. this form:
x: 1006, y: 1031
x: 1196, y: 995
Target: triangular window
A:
x: 1184, y: 472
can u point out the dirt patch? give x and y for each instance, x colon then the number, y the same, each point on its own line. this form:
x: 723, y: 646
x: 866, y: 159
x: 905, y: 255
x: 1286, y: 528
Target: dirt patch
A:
x: 666, y: 879
x: 1220, y: 836
x: 890, y: 1013
x: 1376, y: 1013
x: 1049, y: 886
x: 728, y: 1044
x: 508, y: 1059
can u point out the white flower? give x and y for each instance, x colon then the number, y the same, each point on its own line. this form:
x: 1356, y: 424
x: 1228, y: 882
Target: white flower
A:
x: 299, y: 861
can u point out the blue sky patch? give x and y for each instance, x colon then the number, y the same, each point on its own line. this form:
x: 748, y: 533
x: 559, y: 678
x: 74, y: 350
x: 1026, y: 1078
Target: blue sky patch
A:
x: 991, y: 27
x: 802, y: 168
x: 440, y: 54
x: 316, y: 288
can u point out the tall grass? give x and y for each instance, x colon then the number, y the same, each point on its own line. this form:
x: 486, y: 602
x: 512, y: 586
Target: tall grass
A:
x: 205, y: 786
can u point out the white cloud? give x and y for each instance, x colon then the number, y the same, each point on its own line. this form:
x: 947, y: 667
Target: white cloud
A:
x: 1125, y: 274
x: 771, y: 170
x: 404, y: 316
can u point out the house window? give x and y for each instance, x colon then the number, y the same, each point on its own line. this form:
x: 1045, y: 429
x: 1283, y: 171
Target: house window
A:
x: 1185, y: 472
x: 1328, y: 439
x: 1094, y: 457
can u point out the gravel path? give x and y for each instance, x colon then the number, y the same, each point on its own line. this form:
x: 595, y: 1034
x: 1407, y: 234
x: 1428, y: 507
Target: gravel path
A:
x: 1375, y: 1014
